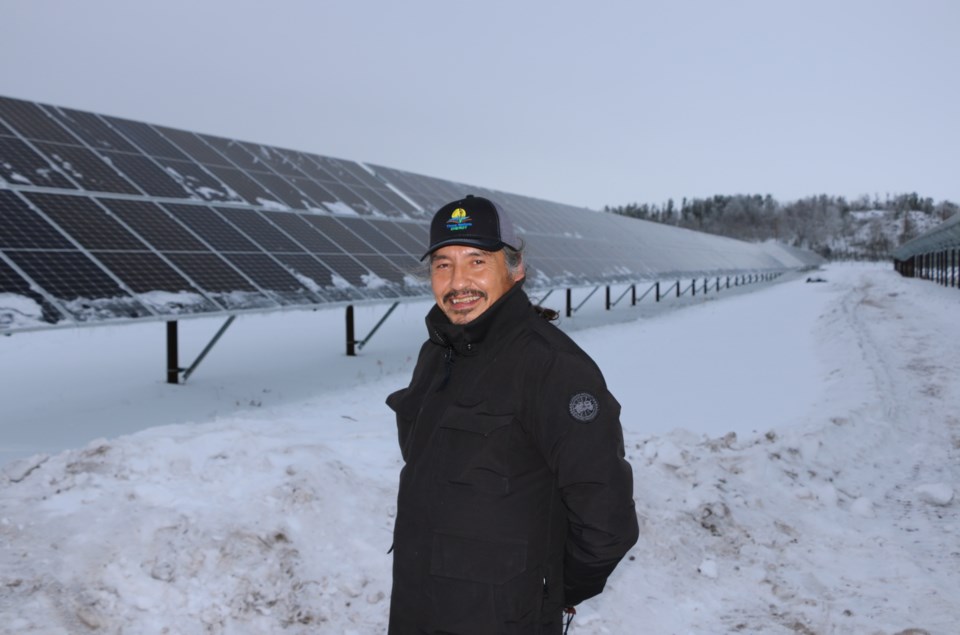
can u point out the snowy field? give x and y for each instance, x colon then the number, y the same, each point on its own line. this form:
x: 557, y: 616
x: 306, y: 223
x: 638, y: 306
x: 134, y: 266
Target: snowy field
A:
x: 796, y: 452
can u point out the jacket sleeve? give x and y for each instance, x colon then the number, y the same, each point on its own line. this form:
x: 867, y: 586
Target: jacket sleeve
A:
x: 579, y: 432
x: 406, y: 401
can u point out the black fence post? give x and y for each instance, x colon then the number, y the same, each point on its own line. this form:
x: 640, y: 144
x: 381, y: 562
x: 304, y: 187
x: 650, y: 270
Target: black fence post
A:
x: 351, y: 336
x: 569, y: 302
x: 953, y: 268
x: 173, y: 361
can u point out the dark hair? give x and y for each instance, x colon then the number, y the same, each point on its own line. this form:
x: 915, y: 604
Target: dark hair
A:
x: 547, y: 314
x: 514, y: 259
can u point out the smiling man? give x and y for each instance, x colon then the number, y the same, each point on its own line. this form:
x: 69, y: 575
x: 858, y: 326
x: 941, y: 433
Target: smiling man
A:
x: 515, y: 498
x: 467, y: 280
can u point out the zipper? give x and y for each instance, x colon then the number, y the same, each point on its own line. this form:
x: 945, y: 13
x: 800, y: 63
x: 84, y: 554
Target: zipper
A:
x: 448, y: 359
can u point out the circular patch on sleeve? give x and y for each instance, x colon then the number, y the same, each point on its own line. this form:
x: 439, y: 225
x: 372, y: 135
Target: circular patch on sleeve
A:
x: 584, y: 407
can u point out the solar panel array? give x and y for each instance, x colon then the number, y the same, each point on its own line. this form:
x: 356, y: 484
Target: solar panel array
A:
x: 107, y: 219
x: 945, y: 236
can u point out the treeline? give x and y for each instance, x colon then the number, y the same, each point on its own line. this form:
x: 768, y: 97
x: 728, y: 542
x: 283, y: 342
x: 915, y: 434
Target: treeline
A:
x: 828, y: 225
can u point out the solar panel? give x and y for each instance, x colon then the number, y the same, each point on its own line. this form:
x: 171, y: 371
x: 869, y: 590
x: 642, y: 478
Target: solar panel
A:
x: 242, y: 187
x: 258, y: 229
x: 91, y: 129
x: 146, y: 174
x: 78, y: 285
x: 150, y: 221
x: 234, y: 152
x: 20, y: 305
x: 278, y: 282
x: 223, y: 282
x: 23, y: 228
x: 210, y: 227
x: 267, y: 159
x: 194, y: 146
x: 193, y: 178
x: 284, y: 190
x: 143, y: 271
x: 32, y: 122
x: 85, y: 221
x: 307, y: 234
x: 146, y: 138
x: 86, y: 169
x: 21, y: 165
x: 105, y: 219
x: 325, y: 276
x: 407, y: 243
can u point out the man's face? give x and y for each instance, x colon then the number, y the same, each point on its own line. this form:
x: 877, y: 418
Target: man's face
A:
x: 467, y: 280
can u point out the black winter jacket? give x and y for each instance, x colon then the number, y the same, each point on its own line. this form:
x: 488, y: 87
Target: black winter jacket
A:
x: 515, y: 499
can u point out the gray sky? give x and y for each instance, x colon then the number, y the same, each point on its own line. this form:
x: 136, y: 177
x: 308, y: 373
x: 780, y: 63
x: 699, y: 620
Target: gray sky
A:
x: 589, y: 103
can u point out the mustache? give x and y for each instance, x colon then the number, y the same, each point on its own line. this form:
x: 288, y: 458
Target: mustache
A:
x: 455, y: 294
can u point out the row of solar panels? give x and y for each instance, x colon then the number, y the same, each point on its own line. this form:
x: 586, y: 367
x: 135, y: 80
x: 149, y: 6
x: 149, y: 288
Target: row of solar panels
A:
x: 107, y: 219
x: 945, y: 236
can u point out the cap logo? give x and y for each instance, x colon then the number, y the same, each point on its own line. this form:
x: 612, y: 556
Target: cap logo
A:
x: 459, y: 220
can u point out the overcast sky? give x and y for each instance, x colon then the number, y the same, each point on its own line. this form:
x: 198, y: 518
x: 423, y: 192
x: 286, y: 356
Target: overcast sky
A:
x: 588, y: 103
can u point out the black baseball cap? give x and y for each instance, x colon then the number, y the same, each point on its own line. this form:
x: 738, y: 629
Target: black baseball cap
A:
x: 472, y: 220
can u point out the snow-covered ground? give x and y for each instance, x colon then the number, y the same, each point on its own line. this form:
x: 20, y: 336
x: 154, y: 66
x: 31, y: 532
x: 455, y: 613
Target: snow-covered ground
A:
x: 796, y: 452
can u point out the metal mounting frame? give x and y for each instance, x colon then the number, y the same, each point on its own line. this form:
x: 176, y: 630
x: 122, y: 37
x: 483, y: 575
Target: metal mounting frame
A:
x: 353, y: 344
x: 174, y: 371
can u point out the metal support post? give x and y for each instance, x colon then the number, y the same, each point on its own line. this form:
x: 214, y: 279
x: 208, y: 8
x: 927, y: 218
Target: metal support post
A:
x: 206, y: 349
x: 173, y: 361
x: 352, y: 343
x: 569, y: 302
x: 544, y: 298
x: 173, y: 355
x: 351, y: 339
x: 584, y: 301
x: 654, y: 286
x: 633, y: 300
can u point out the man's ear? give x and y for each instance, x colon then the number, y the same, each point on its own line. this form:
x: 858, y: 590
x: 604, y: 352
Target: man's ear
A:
x: 521, y: 272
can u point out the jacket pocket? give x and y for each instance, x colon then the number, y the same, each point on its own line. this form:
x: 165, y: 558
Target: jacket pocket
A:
x: 407, y: 407
x: 476, y: 422
x: 477, y: 560
x: 480, y: 586
x: 475, y: 449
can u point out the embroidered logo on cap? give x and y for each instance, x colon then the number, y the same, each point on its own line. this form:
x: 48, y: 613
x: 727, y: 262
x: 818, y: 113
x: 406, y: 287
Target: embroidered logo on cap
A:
x: 584, y: 407
x: 459, y: 220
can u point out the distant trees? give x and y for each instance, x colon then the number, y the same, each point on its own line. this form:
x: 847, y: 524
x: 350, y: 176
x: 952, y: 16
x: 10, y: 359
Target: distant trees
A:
x: 829, y: 225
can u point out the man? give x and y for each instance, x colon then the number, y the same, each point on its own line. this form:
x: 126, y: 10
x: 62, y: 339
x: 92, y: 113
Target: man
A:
x: 515, y: 498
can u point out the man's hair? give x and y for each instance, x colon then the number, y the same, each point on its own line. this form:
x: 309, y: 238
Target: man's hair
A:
x: 515, y: 261
x: 514, y: 258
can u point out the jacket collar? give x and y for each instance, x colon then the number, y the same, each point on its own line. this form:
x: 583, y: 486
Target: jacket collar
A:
x: 467, y: 339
